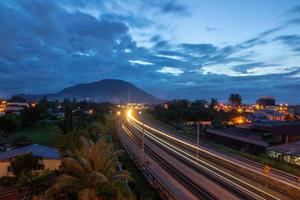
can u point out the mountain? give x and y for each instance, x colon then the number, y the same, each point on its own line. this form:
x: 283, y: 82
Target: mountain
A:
x: 107, y: 90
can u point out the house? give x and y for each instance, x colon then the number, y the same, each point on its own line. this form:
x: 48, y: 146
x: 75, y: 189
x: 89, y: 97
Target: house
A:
x: 49, y: 158
x: 286, y: 152
x: 15, y: 107
x: 268, y: 114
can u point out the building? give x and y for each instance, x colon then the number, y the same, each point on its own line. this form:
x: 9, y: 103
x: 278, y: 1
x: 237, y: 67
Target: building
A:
x: 49, y: 158
x: 266, y: 101
x: 257, y: 137
x: 15, y: 107
x: 287, y: 131
x: 2, y: 107
x: 268, y: 114
x: 289, y: 153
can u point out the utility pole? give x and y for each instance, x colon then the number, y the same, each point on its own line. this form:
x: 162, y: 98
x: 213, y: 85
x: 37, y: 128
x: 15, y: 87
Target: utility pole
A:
x: 198, y: 138
x: 143, y: 145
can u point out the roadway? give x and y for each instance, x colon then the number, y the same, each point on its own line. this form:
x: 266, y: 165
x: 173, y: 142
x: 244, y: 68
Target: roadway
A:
x: 216, y: 172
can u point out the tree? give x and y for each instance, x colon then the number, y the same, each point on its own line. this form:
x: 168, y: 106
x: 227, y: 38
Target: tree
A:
x: 93, y: 174
x: 213, y: 103
x: 18, y: 99
x: 8, y: 123
x: 235, y: 99
x: 30, y: 116
x: 43, y: 105
x: 67, y: 124
x: 20, y: 140
x: 24, y: 164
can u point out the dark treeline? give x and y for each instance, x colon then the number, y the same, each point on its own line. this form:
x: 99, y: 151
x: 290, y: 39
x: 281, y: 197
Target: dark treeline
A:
x: 179, y: 111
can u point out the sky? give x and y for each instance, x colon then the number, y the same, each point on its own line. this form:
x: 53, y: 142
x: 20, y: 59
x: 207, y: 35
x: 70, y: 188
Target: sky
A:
x: 192, y: 49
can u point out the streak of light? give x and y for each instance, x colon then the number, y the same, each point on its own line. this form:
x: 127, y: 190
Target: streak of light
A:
x: 130, y: 117
x: 170, y: 146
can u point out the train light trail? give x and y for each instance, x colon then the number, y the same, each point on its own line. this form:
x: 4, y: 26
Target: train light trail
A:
x: 133, y: 119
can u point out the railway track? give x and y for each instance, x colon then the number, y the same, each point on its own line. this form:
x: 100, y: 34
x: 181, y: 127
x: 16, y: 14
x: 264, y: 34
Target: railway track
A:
x: 288, y: 176
x: 198, y: 191
x: 236, y: 186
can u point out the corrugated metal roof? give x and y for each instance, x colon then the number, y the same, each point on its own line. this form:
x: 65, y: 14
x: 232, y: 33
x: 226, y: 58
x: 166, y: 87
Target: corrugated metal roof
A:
x: 290, y: 148
x: 35, y: 149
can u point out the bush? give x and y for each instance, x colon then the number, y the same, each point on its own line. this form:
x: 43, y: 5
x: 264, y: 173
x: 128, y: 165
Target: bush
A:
x: 8, y: 123
x: 24, y: 164
x: 7, y: 181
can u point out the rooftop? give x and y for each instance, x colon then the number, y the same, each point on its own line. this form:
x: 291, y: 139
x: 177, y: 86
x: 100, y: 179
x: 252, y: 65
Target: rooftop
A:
x: 291, y: 148
x: 285, y: 128
x: 35, y: 149
x: 241, y: 134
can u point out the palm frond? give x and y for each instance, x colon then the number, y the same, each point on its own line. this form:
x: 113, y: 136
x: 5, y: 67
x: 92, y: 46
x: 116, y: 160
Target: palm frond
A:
x: 85, y: 194
x: 74, y: 166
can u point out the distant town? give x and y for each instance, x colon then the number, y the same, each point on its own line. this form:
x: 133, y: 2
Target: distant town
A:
x: 265, y: 132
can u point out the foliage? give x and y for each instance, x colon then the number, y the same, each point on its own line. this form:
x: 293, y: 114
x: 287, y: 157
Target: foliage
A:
x: 8, y: 123
x: 6, y: 181
x: 92, y: 174
x: 235, y: 99
x: 180, y: 111
x: 66, y: 125
x: 213, y: 103
x: 24, y: 164
x: 38, y: 181
x: 30, y: 116
x: 20, y: 140
x: 17, y: 98
x: 68, y: 144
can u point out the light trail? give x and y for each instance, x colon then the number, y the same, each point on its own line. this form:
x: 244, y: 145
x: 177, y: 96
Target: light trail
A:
x: 129, y: 116
x: 170, y: 146
x: 207, y: 194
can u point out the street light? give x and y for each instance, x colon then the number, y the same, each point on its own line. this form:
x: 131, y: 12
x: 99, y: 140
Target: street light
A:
x: 119, y: 113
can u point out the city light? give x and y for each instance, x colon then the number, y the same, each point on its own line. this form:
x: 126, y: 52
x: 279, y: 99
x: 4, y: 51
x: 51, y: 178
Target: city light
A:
x: 119, y: 113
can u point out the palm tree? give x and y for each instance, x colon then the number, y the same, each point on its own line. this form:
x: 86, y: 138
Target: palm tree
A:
x: 235, y: 99
x: 94, y: 174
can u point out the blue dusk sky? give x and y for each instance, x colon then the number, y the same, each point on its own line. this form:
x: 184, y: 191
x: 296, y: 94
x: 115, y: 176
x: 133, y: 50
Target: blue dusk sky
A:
x: 171, y: 48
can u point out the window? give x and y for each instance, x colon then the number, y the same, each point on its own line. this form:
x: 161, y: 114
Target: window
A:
x: 41, y: 167
x: 9, y: 169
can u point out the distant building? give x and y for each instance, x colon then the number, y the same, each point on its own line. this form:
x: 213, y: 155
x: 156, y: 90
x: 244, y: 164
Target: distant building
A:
x: 166, y: 105
x: 258, y: 137
x: 268, y: 114
x: 286, y: 152
x: 15, y: 107
x: 266, y: 101
x: 2, y: 107
x: 49, y: 158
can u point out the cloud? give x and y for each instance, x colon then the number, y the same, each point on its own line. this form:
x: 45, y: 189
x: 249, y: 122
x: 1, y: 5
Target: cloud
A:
x: 173, y: 57
x: 210, y: 29
x: 140, y: 62
x: 171, y: 70
x: 293, y: 41
x: 175, y: 8
x: 48, y: 45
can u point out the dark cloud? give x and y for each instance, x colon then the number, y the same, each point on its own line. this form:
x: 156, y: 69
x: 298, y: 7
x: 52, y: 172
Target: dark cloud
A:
x: 292, y: 41
x: 48, y: 45
x: 175, y: 8
x: 294, y: 10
